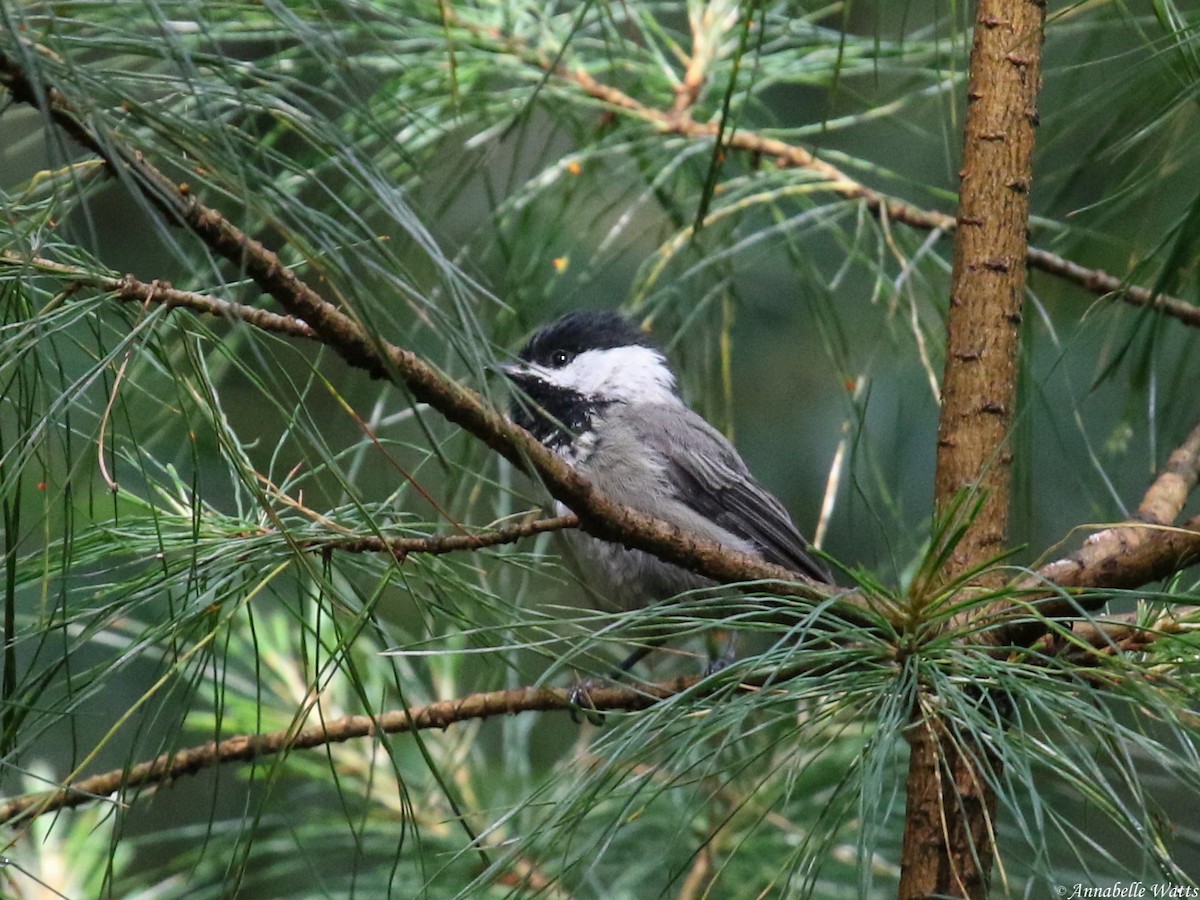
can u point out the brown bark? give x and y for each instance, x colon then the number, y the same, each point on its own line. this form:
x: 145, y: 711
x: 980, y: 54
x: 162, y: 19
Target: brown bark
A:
x: 988, y: 278
x: 950, y: 811
x: 948, y: 838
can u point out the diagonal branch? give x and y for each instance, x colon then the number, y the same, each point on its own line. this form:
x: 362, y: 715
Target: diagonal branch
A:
x: 1095, y: 281
x: 1165, y: 498
x: 160, y: 293
x: 440, y: 715
x: 1123, y: 557
x: 437, y: 715
x: 1127, y: 555
x: 598, y: 515
x: 1113, y: 634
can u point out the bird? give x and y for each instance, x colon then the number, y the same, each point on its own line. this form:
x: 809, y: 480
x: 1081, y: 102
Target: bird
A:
x: 599, y: 392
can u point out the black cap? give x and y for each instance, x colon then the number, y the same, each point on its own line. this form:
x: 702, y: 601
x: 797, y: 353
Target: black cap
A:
x: 580, y: 331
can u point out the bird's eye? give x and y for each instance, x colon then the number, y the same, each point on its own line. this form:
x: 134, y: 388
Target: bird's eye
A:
x: 559, y: 358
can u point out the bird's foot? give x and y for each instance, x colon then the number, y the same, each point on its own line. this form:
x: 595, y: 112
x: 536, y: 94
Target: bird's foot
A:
x: 580, y: 698
x: 717, y: 663
x: 722, y: 650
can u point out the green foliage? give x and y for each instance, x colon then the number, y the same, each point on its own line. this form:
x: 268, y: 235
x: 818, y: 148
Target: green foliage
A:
x: 167, y: 479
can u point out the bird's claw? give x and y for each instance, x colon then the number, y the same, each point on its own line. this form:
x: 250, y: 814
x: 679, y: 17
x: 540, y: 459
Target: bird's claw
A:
x: 717, y: 663
x: 580, y: 699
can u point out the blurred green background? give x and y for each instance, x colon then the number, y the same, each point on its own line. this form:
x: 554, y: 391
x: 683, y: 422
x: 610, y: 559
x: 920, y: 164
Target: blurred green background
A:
x: 429, y: 168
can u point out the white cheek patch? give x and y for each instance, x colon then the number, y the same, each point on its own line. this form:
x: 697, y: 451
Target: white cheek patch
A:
x: 632, y: 374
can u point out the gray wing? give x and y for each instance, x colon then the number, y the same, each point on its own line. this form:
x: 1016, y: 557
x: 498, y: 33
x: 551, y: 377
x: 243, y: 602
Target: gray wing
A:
x: 712, y: 480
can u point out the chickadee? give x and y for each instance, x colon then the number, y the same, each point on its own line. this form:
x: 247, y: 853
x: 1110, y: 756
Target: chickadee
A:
x: 599, y: 393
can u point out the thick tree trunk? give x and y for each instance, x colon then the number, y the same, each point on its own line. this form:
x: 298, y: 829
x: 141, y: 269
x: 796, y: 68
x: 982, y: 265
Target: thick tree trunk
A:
x: 988, y: 279
x: 949, y: 835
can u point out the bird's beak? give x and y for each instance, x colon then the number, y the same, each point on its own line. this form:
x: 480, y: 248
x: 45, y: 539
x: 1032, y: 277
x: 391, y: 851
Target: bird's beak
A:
x: 518, y: 371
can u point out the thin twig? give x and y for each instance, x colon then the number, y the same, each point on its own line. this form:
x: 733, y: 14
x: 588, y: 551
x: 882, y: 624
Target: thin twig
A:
x: 1095, y: 281
x: 706, y: 39
x: 160, y: 293
x: 401, y: 547
x: 1126, y: 633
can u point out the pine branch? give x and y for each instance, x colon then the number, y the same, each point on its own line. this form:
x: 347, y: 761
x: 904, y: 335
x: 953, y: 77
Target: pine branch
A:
x: 161, y: 293
x: 598, y: 515
x: 438, y: 715
x: 1121, y: 633
x: 1165, y: 498
x: 1128, y: 555
x: 883, y: 206
x: 1114, y: 634
x: 436, y: 544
